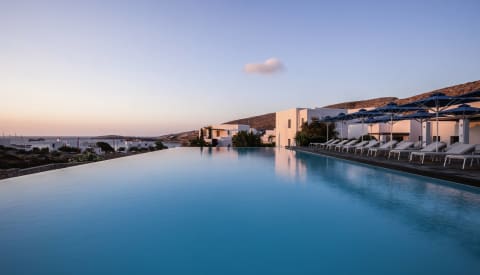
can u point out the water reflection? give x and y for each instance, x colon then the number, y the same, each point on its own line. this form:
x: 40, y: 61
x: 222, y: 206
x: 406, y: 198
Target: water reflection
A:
x: 429, y: 205
x: 288, y: 166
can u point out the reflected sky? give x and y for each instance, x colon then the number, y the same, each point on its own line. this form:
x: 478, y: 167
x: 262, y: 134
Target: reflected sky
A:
x: 429, y: 205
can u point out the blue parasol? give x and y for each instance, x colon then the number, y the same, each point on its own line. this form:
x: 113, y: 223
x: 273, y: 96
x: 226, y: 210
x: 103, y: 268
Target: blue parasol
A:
x: 392, y: 109
x: 472, y: 94
x: 341, y: 117
x: 464, y: 111
x: 420, y: 116
x: 363, y: 114
x: 438, y: 102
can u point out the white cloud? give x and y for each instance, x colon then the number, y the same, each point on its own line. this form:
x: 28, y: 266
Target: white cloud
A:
x: 270, y: 66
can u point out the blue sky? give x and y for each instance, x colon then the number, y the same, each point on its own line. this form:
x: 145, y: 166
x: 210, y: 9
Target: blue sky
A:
x: 153, y: 67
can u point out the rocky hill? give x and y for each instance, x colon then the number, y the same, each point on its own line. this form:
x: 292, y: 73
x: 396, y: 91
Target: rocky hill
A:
x: 363, y: 103
x: 455, y: 90
x: 182, y: 138
x: 261, y: 122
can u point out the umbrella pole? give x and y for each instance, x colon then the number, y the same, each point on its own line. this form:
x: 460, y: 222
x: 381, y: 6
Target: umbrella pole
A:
x: 341, y: 129
x: 391, y: 130
x: 437, y: 138
x: 363, y: 127
x: 327, y: 130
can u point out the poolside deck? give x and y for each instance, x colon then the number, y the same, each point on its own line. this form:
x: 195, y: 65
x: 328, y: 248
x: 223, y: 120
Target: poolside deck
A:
x: 453, y: 172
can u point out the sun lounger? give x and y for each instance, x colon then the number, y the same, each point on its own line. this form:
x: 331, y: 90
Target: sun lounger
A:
x: 316, y: 144
x: 385, y: 147
x: 456, y: 149
x: 371, y: 144
x: 323, y: 145
x: 402, y: 147
x: 340, y: 147
x: 347, y: 148
x: 465, y: 158
x: 331, y: 145
x: 429, y: 148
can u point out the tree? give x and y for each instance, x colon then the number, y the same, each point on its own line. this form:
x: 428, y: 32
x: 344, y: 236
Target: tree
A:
x: 315, y: 131
x: 246, y: 139
x: 159, y: 145
x: 368, y: 137
x: 105, y: 147
x: 198, y: 141
x: 68, y: 149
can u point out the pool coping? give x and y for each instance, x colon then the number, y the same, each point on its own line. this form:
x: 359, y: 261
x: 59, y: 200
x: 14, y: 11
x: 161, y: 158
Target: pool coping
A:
x: 464, y: 177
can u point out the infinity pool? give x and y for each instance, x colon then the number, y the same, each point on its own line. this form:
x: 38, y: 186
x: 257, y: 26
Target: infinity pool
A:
x: 245, y: 211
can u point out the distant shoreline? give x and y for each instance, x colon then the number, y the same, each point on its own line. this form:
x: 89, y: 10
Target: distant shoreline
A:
x: 18, y: 172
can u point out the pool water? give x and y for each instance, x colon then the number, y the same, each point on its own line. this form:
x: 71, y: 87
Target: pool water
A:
x: 236, y: 211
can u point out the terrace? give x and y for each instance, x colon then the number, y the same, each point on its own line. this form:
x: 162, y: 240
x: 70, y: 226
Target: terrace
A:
x: 434, y: 169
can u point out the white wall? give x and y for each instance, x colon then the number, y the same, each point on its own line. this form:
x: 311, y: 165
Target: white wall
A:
x: 283, y: 133
x: 446, y: 129
x: 474, y: 132
x: 297, y: 116
x: 415, y: 130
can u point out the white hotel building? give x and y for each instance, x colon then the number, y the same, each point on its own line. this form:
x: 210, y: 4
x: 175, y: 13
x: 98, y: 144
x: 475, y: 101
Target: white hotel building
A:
x: 450, y: 130
x: 289, y: 122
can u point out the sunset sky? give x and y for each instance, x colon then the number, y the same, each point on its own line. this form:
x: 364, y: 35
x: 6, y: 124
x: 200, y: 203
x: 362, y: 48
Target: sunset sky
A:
x: 157, y: 67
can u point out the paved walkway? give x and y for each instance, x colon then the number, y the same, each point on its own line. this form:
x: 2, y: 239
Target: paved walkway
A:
x: 453, y: 172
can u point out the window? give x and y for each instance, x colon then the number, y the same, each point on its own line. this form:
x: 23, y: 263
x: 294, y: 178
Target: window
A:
x: 454, y: 139
x: 289, y: 141
x: 289, y: 123
x: 218, y: 133
x: 228, y: 132
x: 303, y: 120
x: 436, y: 138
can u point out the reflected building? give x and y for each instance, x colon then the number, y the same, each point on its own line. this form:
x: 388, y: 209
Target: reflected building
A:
x: 287, y: 165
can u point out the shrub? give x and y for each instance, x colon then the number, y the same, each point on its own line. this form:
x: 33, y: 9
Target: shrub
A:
x: 315, y: 131
x: 197, y: 142
x: 68, y: 149
x: 246, y: 139
x: 159, y: 145
x: 105, y: 147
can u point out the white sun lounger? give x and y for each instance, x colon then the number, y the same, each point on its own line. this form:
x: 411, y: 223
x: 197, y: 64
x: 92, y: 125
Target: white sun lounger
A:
x: 404, y: 145
x: 340, y: 147
x: 384, y: 147
x: 316, y: 144
x: 372, y: 143
x: 456, y: 149
x: 400, y: 148
x: 465, y: 158
x: 331, y: 145
x: 429, y: 148
x: 347, y: 148
x: 325, y: 144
